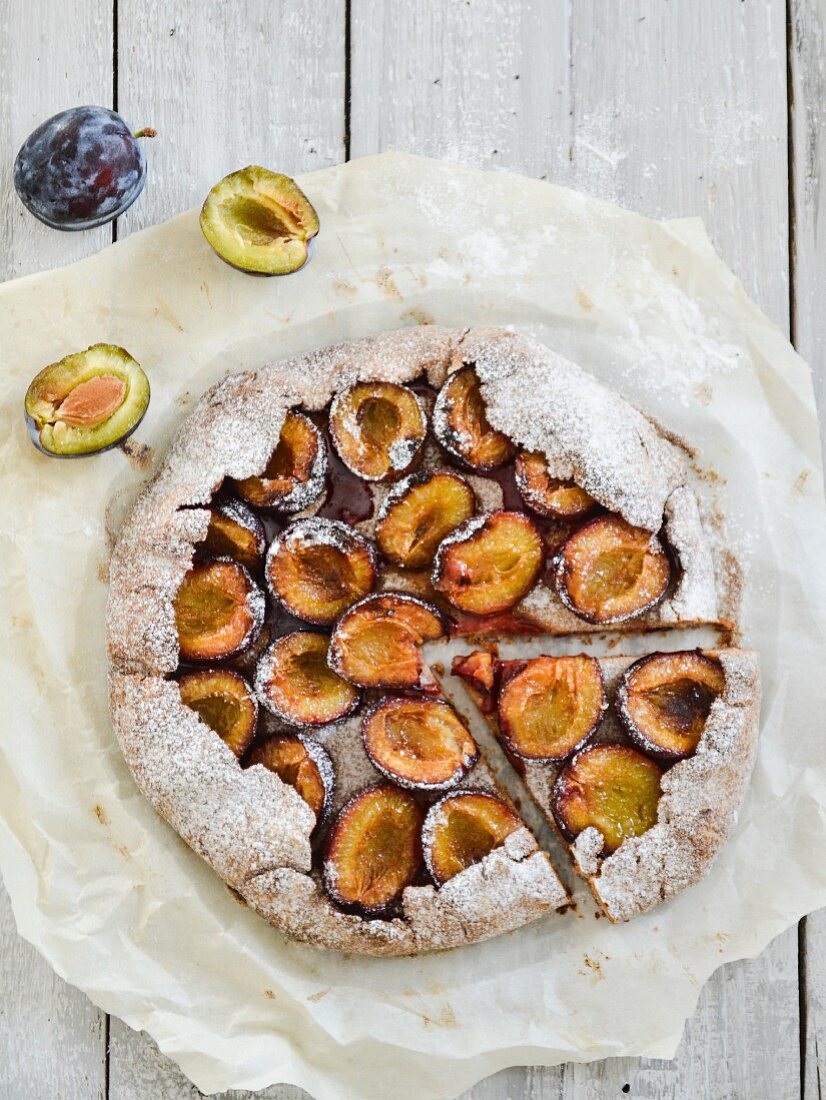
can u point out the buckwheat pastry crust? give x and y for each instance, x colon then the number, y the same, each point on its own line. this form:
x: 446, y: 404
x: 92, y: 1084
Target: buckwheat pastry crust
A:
x: 253, y: 829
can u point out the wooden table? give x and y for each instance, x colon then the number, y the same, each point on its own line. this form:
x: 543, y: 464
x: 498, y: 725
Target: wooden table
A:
x: 710, y: 107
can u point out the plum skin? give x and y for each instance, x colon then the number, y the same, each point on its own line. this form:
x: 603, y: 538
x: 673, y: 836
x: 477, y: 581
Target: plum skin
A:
x: 80, y: 168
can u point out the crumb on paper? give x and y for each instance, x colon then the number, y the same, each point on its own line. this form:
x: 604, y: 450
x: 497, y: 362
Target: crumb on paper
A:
x: 314, y: 998
x: 704, y: 393
x: 162, y: 309
x: 800, y: 480
x: 445, y: 1019
x: 387, y: 284
x: 347, y: 290
x: 418, y: 315
x: 102, y: 572
x: 583, y: 301
x: 101, y: 815
x: 139, y: 454
x: 268, y: 993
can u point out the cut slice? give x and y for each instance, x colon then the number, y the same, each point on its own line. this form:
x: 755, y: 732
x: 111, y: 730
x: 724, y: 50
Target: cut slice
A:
x: 636, y: 849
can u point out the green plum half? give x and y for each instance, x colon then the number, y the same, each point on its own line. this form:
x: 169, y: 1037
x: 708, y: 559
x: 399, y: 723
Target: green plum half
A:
x: 260, y: 222
x: 87, y: 402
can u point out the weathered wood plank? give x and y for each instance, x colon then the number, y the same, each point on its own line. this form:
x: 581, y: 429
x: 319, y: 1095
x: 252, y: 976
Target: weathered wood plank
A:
x: 257, y: 81
x: 47, y: 65
x: 52, y: 1039
x: 226, y: 85
x: 671, y: 111
x: 807, y: 66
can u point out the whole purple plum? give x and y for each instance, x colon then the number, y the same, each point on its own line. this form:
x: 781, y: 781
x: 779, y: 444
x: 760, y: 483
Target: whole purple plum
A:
x: 80, y: 168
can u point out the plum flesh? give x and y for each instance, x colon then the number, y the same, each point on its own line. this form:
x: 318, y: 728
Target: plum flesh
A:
x: 80, y: 168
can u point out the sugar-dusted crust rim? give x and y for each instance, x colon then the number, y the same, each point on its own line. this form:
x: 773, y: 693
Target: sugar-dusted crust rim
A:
x: 698, y: 807
x: 252, y: 829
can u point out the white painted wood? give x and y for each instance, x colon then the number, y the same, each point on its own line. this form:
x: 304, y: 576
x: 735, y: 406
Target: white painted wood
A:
x: 52, y: 1039
x: 669, y: 109
x: 807, y: 65
x: 47, y: 65
x: 226, y: 85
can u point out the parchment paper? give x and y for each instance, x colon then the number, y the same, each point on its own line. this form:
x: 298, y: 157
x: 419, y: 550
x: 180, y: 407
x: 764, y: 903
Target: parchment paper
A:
x: 112, y: 897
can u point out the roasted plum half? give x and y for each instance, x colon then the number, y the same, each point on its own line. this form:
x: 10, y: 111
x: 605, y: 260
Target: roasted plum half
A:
x: 373, y: 851
x: 377, y: 643
x: 461, y: 424
x: 219, y: 610
x: 612, y: 788
x: 222, y: 699
x: 418, y: 513
x: 295, y: 476
x: 552, y: 497
x: 418, y: 742
x: 462, y: 828
x: 259, y: 221
x: 609, y: 571
x: 317, y: 568
x: 664, y: 701
x: 378, y: 429
x: 489, y: 563
x: 301, y: 763
x: 234, y: 532
x: 551, y: 707
x: 86, y: 402
x: 296, y: 684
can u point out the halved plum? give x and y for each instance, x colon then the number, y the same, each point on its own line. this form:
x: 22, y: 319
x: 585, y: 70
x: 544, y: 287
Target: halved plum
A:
x: 295, y: 682
x: 259, y: 221
x: 419, y: 743
x: 317, y: 568
x: 86, y: 402
x: 664, y: 701
x: 548, y: 496
x: 373, y: 851
x: 612, y: 788
x: 223, y: 700
x: 552, y: 706
x: 303, y: 764
x: 378, y: 429
x: 461, y: 425
x: 462, y: 828
x: 294, y: 477
x: 219, y: 610
x: 234, y: 532
x: 376, y: 644
x: 418, y: 513
x: 489, y: 563
x: 609, y: 571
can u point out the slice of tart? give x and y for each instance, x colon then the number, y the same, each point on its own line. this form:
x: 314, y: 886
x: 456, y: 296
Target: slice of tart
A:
x: 640, y: 765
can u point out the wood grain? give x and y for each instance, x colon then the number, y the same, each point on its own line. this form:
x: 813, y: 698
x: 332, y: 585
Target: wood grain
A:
x: 52, y: 1039
x: 807, y: 68
x: 226, y: 85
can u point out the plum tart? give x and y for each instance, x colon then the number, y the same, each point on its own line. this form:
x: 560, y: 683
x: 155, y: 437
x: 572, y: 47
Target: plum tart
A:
x: 314, y: 528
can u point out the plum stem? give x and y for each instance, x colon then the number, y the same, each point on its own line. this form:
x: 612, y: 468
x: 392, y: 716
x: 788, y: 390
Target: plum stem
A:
x: 146, y: 132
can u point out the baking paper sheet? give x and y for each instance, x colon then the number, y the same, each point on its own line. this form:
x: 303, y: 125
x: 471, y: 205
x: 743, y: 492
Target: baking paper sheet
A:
x: 116, y: 901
